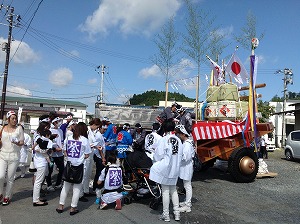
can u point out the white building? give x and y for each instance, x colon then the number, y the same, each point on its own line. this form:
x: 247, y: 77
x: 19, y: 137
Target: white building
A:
x: 276, y: 119
x: 33, y: 108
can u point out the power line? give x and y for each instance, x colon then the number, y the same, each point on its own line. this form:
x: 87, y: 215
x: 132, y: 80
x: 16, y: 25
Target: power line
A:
x: 27, y: 28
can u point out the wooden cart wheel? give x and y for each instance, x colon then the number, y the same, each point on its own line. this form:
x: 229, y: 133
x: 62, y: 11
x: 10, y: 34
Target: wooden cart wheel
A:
x: 243, y: 165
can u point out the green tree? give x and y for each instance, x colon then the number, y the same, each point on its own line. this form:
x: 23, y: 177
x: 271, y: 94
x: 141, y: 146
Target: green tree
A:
x: 165, y: 59
x: 277, y: 98
x: 152, y: 98
x: 265, y: 109
x: 200, y: 38
x: 249, y: 31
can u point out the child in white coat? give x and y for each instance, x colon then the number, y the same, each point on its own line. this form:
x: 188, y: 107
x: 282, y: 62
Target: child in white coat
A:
x: 186, y: 167
x: 165, y: 170
x: 111, y: 180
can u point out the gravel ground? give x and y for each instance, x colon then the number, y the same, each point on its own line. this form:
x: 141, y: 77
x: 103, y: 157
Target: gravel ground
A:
x: 268, y: 200
x: 216, y: 199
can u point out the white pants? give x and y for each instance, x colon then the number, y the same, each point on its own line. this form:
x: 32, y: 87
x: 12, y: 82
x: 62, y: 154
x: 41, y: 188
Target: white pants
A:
x: 87, y: 173
x: 40, y: 174
x: 168, y: 190
x: 75, y: 196
x: 22, y: 167
x: 8, y: 168
x: 188, y: 192
x: 111, y: 197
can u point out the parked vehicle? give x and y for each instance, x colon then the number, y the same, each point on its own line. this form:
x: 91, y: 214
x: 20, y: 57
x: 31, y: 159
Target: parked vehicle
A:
x: 270, y: 142
x: 292, y: 147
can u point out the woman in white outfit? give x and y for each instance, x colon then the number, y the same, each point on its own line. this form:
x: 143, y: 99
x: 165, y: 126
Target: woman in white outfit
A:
x: 186, y: 167
x: 151, y: 140
x: 57, y: 155
x: 40, y: 163
x: 77, y: 149
x: 165, y: 170
x: 94, y: 137
x: 24, y: 153
x: 12, y: 139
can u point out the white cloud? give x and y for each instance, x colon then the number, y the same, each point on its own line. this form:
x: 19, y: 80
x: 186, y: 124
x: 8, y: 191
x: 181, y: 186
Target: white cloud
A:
x: 24, y: 55
x: 61, y: 77
x: 225, y: 31
x: 182, y: 69
x: 92, y: 81
x: 261, y: 59
x: 75, y: 53
x: 123, y: 98
x: 129, y: 16
x: 182, y: 78
x: 152, y: 71
x: 18, y: 91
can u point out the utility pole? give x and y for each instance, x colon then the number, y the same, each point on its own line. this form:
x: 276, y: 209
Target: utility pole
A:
x: 103, y: 68
x: 287, y: 79
x: 6, y: 47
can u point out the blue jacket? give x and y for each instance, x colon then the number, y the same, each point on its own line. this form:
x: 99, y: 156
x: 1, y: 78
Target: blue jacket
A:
x: 110, y: 137
x: 123, y: 143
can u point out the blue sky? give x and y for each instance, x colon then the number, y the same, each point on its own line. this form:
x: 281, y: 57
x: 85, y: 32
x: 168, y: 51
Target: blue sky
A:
x: 59, y: 52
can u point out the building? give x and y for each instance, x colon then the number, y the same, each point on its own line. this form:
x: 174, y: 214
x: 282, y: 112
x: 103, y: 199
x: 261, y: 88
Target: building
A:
x: 33, y: 108
x: 292, y: 119
x: 132, y: 114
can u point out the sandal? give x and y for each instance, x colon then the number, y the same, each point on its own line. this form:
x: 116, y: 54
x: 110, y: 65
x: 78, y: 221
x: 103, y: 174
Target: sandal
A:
x: 59, y: 210
x: 74, y: 212
x: 40, y: 204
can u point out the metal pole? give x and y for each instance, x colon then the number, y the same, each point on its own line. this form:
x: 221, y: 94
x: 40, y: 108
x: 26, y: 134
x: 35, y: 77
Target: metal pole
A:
x: 197, y: 98
x: 10, y: 20
x: 101, y: 85
x: 283, y: 111
x: 166, y: 96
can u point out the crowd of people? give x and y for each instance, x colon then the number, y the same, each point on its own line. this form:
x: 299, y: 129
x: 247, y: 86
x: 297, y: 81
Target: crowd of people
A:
x: 75, y: 150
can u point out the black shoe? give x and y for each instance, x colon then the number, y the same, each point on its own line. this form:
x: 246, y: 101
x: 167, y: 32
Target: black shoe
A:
x: 43, y: 199
x: 83, y: 199
x: 59, y: 210
x: 42, y: 204
x: 89, y: 194
x: 74, y: 212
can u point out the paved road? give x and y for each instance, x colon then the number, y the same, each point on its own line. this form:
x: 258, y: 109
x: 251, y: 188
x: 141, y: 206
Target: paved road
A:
x: 217, y: 199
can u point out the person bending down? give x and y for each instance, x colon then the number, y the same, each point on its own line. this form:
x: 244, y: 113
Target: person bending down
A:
x: 111, y: 179
x: 44, y: 145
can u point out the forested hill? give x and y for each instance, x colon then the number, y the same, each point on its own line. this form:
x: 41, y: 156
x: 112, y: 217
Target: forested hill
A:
x: 152, y: 98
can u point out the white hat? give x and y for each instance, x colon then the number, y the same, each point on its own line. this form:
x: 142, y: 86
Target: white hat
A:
x: 104, y: 126
x: 47, y: 119
x: 181, y: 109
x: 9, y: 113
x: 106, y: 119
x: 69, y: 116
x: 182, y: 129
x: 71, y: 123
x: 56, y: 119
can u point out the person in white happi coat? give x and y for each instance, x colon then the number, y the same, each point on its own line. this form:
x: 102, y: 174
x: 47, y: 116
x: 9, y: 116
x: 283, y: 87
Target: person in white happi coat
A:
x: 40, y: 162
x: 95, y: 138
x: 57, y: 155
x: 165, y: 170
x: 77, y: 149
x: 99, y: 154
x: 151, y: 140
x: 24, y: 153
x: 111, y: 180
x: 186, y: 167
